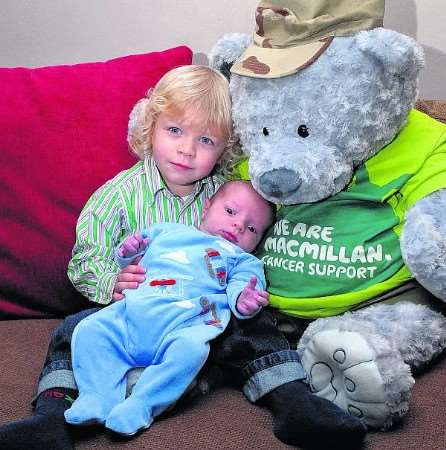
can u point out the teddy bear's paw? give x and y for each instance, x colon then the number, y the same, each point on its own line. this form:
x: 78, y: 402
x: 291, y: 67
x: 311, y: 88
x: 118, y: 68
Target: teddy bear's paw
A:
x: 342, y: 368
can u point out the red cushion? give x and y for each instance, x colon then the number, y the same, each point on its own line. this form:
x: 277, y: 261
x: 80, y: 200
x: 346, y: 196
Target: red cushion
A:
x: 62, y: 134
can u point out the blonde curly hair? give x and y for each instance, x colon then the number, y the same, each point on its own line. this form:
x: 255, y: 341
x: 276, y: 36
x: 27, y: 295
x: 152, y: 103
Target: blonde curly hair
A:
x: 196, y: 88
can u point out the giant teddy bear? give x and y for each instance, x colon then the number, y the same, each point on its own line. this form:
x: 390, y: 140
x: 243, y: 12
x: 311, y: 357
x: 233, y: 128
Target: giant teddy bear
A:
x: 361, y: 179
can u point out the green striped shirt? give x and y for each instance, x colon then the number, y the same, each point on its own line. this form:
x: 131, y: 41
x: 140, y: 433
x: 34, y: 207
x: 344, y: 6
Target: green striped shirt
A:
x: 131, y: 201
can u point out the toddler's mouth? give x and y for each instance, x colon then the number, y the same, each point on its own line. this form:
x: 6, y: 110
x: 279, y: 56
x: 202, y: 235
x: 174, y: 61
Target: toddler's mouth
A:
x: 181, y: 166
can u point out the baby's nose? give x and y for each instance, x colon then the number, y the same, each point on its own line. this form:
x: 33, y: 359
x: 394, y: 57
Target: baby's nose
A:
x: 238, y: 225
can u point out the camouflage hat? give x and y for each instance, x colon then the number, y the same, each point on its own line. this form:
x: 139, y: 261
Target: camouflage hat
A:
x: 291, y: 34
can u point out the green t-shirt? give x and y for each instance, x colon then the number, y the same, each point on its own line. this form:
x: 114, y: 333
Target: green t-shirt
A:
x: 324, y: 258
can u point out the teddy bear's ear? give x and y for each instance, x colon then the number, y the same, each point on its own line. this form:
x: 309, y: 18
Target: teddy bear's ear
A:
x: 397, y: 53
x: 227, y: 50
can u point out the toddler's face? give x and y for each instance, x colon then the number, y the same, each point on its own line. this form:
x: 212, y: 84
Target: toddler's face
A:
x: 184, y: 151
x: 238, y: 214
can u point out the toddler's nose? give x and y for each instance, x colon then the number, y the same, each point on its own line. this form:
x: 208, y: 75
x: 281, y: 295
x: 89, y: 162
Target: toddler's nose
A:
x: 187, y: 148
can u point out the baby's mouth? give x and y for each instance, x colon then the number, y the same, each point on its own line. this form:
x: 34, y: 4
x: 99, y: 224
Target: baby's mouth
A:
x: 231, y: 237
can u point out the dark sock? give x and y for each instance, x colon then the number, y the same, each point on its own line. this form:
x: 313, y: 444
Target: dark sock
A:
x: 45, y: 429
x: 303, y: 419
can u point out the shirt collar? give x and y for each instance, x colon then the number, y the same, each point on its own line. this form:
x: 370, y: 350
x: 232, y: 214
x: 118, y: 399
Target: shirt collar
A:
x: 153, y: 176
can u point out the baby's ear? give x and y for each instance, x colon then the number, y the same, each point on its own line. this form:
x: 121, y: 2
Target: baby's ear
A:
x: 207, y: 204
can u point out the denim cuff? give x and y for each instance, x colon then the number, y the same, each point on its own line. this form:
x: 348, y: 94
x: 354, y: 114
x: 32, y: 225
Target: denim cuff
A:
x: 265, y: 374
x: 58, y: 374
x: 61, y: 376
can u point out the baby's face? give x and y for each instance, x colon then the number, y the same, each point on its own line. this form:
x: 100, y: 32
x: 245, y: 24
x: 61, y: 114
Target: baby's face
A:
x: 237, y: 214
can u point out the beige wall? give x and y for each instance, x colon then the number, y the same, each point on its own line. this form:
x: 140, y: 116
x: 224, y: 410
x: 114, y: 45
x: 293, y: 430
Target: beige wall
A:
x: 44, y: 32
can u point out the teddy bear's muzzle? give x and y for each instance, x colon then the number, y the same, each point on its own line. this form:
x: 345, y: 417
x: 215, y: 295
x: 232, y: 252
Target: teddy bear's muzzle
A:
x: 280, y: 183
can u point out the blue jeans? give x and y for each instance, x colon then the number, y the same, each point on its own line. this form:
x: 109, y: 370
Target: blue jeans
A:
x: 254, y: 353
x: 57, y: 371
x: 259, y: 354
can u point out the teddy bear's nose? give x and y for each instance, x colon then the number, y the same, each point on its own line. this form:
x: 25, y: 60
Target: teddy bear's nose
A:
x: 280, y: 183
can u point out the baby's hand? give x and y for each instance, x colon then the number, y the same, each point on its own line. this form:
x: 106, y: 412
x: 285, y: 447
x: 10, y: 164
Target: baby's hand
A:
x: 129, y: 278
x: 251, y: 300
x: 132, y: 245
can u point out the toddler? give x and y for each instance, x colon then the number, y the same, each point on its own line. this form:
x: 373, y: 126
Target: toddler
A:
x: 180, y: 132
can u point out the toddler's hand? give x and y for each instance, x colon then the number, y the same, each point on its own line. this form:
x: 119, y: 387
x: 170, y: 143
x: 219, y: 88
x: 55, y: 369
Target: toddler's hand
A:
x: 129, y: 278
x: 251, y: 299
x: 132, y: 245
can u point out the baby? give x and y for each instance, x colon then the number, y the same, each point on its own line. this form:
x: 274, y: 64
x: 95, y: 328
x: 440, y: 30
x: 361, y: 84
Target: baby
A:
x: 195, y: 278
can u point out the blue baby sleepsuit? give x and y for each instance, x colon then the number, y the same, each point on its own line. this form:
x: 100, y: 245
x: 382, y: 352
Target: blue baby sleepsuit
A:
x: 192, y: 284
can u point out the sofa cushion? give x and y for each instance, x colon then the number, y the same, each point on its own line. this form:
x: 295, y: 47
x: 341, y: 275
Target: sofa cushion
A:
x: 62, y: 134
x: 225, y: 420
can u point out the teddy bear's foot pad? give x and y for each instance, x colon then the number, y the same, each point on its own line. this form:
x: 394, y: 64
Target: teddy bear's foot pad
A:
x: 341, y: 368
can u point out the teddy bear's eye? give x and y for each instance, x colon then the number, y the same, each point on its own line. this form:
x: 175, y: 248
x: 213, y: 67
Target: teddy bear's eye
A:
x: 303, y: 131
x: 265, y: 131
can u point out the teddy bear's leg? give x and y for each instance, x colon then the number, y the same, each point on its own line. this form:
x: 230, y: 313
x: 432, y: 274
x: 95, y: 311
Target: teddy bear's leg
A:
x: 361, y: 360
x: 416, y: 330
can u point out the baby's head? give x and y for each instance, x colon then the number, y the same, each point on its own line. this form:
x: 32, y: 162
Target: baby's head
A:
x: 197, y: 92
x: 239, y: 214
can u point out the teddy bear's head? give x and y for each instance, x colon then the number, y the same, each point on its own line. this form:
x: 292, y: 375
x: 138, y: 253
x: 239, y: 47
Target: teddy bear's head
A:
x: 305, y: 133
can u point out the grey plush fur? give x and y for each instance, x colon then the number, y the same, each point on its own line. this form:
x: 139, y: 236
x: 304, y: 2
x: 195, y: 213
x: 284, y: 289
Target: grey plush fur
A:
x: 353, y: 101
x: 423, y: 242
x: 343, y: 132
x: 402, y: 336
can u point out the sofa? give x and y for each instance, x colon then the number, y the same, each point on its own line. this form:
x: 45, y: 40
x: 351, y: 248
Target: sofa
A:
x: 62, y: 134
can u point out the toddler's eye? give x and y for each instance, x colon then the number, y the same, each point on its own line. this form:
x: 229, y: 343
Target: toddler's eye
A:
x: 174, y: 130
x: 265, y: 131
x: 207, y: 141
x: 303, y: 131
x: 230, y: 211
x: 252, y: 229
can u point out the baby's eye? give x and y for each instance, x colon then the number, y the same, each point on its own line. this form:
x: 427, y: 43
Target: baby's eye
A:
x: 207, y: 141
x: 303, y: 131
x: 230, y: 211
x: 174, y: 130
x: 265, y: 131
x: 252, y: 229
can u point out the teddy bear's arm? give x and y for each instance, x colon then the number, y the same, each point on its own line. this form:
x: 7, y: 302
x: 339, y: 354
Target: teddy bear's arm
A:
x: 423, y: 242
